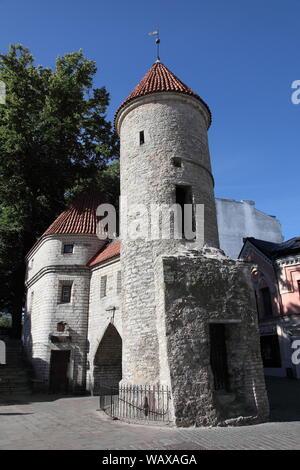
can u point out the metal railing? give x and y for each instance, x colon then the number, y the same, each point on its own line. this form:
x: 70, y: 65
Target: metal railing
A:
x: 137, y: 402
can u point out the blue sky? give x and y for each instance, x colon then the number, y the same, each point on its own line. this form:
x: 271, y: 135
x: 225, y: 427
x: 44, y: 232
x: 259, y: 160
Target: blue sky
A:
x: 240, y: 56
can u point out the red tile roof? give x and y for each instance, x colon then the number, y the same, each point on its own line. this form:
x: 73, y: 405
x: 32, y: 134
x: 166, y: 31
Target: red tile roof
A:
x: 80, y: 217
x: 160, y: 78
x: 107, y: 252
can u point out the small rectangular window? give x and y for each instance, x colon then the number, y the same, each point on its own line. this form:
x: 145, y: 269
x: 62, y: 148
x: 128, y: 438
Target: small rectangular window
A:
x: 119, y: 285
x: 68, y: 248
x: 103, y: 286
x: 142, y: 138
x: 176, y: 162
x: 66, y: 294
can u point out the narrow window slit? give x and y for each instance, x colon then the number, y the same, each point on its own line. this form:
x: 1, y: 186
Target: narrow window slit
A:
x: 142, y: 138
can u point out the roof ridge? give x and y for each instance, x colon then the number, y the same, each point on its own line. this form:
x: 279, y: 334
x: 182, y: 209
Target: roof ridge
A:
x: 275, y: 249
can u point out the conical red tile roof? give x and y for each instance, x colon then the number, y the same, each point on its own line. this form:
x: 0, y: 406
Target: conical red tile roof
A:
x: 80, y: 217
x: 159, y: 78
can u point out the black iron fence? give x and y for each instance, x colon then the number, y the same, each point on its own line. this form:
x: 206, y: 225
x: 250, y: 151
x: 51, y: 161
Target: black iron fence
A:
x: 137, y: 402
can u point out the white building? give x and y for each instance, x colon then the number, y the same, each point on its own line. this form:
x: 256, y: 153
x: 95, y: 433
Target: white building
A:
x: 240, y: 219
x: 58, y: 296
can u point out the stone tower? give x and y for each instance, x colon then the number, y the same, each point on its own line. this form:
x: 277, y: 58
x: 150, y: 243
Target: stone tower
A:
x: 168, y: 301
x: 163, y: 133
x: 58, y: 283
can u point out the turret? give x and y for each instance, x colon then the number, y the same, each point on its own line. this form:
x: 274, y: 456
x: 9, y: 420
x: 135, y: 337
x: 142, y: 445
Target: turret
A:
x: 164, y: 160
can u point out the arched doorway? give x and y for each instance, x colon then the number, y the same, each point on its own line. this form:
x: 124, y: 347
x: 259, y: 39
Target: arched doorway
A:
x: 108, y: 362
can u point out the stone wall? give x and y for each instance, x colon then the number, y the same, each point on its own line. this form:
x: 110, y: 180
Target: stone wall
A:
x: 194, y: 291
x: 174, y: 126
x: 44, y: 310
x: 49, y: 252
x: 103, y: 312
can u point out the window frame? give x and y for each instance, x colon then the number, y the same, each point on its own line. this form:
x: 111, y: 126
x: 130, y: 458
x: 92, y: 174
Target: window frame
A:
x: 119, y: 282
x: 68, y: 252
x: 69, y: 287
x: 103, y: 286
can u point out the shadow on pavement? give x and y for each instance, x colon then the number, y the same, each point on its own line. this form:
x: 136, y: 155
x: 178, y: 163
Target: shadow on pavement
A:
x: 284, y: 398
x: 26, y: 399
x: 283, y: 393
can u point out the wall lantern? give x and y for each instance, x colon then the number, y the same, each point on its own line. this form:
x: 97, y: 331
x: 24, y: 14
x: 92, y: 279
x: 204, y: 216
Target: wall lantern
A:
x: 61, y: 326
x: 112, y: 311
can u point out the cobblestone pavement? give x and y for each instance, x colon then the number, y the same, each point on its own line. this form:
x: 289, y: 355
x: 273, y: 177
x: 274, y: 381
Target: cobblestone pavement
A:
x: 48, y: 422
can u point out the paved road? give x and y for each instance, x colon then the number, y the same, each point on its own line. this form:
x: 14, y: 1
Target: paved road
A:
x: 49, y: 422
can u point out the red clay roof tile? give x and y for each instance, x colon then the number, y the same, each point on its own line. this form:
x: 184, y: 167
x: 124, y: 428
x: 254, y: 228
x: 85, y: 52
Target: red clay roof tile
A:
x: 80, y: 217
x: 107, y: 252
x: 159, y: 78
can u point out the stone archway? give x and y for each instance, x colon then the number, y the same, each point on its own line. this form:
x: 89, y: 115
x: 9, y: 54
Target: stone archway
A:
x: 108, y: 361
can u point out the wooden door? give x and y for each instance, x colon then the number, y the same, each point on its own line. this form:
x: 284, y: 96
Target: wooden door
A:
x: 59, y: 365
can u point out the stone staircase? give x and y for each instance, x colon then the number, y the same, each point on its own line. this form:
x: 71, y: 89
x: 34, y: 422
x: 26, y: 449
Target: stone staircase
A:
x: 15, y: 374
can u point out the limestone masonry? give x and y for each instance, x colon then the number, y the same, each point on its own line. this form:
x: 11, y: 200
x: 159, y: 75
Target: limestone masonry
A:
x: 169, y: 312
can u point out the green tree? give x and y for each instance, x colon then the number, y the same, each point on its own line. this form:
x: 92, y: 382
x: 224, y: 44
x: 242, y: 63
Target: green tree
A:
x: 54, y: 138
x: 5, y: 322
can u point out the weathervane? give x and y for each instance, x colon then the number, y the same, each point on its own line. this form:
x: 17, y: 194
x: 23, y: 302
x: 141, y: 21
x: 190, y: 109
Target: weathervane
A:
x: 157, y: 41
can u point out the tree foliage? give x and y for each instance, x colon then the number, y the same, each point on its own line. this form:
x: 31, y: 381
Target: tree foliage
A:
x: 5, y: 322
x: 54, y: 139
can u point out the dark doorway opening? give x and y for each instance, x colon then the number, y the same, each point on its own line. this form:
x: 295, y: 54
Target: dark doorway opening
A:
x: 59, y: 365
x: 218, y: 356
x: 270, y: 351
x: 183, y: 197
x: 108, y: 362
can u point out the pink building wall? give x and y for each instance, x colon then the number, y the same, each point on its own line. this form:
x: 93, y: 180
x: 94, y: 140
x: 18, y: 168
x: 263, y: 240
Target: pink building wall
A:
x: 289, y: 287
x: 264, y: 276
x: 282, y: 277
